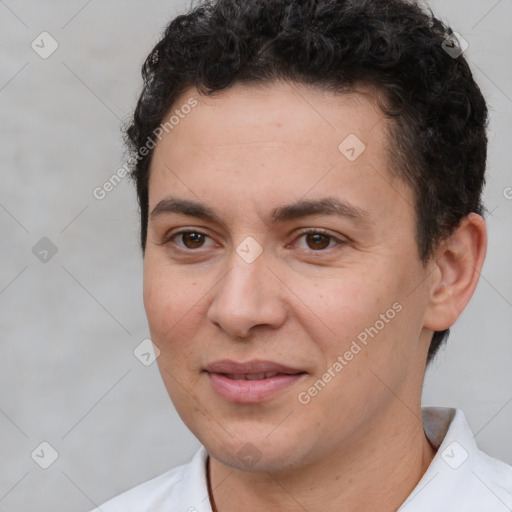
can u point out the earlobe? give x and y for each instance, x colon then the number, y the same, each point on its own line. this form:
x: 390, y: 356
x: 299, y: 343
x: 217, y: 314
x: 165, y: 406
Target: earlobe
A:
x: 457, y: 266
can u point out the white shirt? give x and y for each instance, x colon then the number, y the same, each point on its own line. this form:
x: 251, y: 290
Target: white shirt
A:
x: 460, y: 478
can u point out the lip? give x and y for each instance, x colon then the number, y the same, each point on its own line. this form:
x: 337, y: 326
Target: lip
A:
x: 254, y: 366
x: 251, y: 391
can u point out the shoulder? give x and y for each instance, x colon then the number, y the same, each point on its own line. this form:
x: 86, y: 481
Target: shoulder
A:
x: 169, y: 491
x: 461, y: 476
x: 146, y: 494
x: 485, y: 484
x: 495, y: 473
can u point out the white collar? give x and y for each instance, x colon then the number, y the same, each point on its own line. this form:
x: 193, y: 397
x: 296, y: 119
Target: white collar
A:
x: 460, y: 478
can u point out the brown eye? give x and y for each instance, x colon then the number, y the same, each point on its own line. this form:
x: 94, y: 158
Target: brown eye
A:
x: 189, y: 241
x: 192, y: 239
x: 318, y: 241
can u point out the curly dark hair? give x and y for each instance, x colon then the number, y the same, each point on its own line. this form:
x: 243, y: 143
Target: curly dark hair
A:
x: 438, y: 135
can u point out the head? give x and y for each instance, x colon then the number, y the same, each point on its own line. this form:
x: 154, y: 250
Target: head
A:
x: 259, y: 118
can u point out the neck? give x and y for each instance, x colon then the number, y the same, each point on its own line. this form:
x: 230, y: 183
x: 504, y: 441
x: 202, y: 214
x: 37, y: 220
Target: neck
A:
x: 374, y: 472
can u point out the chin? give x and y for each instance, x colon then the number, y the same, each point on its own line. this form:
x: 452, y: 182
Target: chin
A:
x: 257, y: 452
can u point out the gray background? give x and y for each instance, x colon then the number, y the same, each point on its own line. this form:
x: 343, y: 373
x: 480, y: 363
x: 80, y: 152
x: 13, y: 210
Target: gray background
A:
x: 68, y: 375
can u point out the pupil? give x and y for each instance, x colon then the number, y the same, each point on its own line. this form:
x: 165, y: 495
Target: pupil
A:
x: 316, y: 241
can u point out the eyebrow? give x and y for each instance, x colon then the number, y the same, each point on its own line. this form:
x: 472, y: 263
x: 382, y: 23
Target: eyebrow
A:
x: 299, y: 209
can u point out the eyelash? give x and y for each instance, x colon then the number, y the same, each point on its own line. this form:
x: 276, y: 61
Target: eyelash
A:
x: 301, y: 234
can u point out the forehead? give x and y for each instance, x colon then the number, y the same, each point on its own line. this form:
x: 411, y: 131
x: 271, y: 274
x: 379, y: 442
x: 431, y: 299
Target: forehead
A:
x: 271, y: 142
x: 293, y: 113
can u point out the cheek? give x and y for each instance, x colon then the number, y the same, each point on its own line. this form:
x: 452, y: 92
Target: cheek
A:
x: 173, y: 309
x: 170, y: 301
x: 367, y: 320
x: 344, y: 306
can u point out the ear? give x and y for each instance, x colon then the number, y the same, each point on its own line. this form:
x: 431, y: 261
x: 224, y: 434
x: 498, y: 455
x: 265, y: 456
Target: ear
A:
x: 456, y: 269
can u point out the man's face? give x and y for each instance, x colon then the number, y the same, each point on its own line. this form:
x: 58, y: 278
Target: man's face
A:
x: 250, y: 286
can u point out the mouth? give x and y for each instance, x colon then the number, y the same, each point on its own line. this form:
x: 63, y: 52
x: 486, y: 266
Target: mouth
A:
x: 251, y: 382
x: 254, y: 367
x: 252, y: 376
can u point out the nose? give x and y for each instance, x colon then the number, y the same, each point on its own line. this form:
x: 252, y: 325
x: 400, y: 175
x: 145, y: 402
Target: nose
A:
x: 249, y: 295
